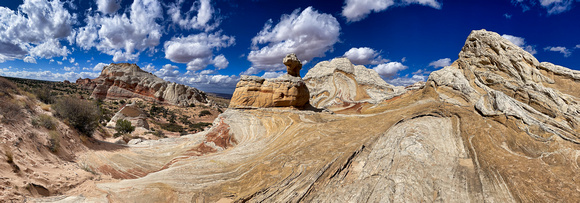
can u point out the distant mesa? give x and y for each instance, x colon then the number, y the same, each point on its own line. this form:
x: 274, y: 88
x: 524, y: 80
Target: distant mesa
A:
x: 288, y: 90
x: 124, y: 80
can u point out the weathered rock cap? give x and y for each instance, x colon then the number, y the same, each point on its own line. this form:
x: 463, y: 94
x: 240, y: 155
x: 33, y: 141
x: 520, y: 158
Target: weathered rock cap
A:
x: 293, y: 65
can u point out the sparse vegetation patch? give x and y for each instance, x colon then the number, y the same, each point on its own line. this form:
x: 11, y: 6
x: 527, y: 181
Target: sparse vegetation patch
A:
x: 81, y: 114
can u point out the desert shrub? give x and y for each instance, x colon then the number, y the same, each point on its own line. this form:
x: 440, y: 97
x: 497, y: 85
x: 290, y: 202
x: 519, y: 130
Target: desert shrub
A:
x: 44, y: 95
x: 172, y: 118
x: 184, y: 119
x: 45, y: 121
x: 204, y: 113
x: 192, y: 105
x: 106, y: 114
x: 9, y: 157
x: 80, y: 114
x: 172, y: 127
x: 124, y: 126
x: 10, y: 110
x: 158, y: 133
x: 199, y: 126
x: 122, y: 102
x: 220, y: 111
x: 155, y: 110
x: 53, y: 141
x: 7, y: 87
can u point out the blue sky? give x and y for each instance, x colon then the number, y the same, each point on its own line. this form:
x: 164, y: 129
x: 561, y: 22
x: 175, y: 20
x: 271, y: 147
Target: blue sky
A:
x: 208, y: 44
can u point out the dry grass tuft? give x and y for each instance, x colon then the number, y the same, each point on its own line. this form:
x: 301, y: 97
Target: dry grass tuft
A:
x: 45, y: 107
x: 10, y: 110
x: 54, y: 141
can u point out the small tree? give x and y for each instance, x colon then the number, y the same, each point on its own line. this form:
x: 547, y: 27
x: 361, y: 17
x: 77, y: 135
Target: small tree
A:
x: 124, y: 126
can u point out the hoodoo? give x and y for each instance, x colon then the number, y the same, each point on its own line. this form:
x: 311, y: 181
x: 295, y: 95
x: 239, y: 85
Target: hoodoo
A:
x: 287, y: 90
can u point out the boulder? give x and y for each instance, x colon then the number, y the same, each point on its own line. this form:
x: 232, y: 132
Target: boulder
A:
x: 132, y: 113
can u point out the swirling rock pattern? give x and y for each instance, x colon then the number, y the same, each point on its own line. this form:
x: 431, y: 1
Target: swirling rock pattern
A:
x: 495, y: 126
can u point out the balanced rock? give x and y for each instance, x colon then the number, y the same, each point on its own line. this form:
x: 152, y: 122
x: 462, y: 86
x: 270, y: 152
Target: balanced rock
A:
x: 340, y: 83
x: 293, y: 65
x: 123, y: 80
x: 131, y: 113
x: 284, y: 91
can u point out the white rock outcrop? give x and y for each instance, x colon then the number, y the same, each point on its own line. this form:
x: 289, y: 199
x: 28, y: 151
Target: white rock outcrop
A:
x: 340, y: 83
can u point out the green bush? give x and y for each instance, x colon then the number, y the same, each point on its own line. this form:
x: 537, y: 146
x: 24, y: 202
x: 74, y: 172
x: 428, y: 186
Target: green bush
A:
x: 45, y: 121
x: 80, y: 114
x: 124, y: 126
x: 173, y: 127
x: 199, y: 126
x: 158, y: 133
x: 204, y: 113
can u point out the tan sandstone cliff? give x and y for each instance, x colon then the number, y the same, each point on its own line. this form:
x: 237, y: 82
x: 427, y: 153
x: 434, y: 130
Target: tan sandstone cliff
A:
x: 495, y: 126
x: 123, y: 80
x: 287, y: 90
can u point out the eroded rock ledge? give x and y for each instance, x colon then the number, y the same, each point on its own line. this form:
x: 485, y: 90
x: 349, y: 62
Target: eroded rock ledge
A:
x: 288, y: 90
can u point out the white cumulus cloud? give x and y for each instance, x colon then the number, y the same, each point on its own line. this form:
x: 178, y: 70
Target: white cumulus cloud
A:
x: 364, y: 56
x: 48, y: 75
x: 108, y: 6
x: 35, y: 27
x: 356, y: 10
x: 308, y: 34
x: 99, y: 67
x: 203, y: 11
x: 440, y: 63
x: 149, y: 68
x: 29, y: 59
x: 124, y: 35
x: 197, y: 50
x: 406, y: 81
x: 562, y: 50
x: 168, y: 71
x: 390, y: 69
x: 520, y: 42
x: 551, y: 6
x: 273, y: 74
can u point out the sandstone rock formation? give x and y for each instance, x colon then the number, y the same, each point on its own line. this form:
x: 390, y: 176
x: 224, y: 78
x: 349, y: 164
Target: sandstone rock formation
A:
x: 293, y: 65
x: 123, y: 80
x: 131, y: 113
x: 340, y: 83
x: 287, y: 90
x: 495, y: 126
